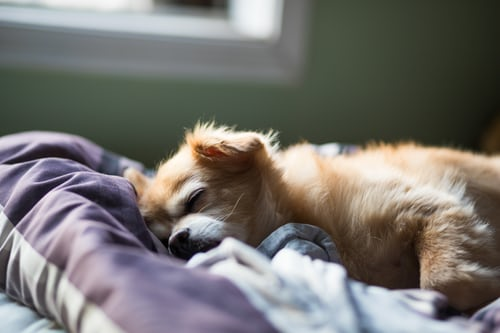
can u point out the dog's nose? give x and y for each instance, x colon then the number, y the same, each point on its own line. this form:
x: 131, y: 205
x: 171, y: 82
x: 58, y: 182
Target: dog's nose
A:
x: 179, y: 244
x: 182, y: 245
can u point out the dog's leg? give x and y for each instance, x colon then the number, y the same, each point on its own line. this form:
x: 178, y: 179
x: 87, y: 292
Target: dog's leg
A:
x: 458, y: 258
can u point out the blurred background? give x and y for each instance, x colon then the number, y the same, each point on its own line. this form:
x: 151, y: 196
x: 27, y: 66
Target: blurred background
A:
x: 321, y: 70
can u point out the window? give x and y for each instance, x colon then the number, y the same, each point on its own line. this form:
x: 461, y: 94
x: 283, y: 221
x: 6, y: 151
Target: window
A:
x: 240, y: 39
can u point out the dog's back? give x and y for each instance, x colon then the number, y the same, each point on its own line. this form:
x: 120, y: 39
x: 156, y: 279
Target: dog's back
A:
x: 406, y: 216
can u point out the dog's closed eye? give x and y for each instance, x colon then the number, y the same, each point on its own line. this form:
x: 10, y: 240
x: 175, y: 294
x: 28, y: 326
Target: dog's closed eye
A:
x: 193, y: 199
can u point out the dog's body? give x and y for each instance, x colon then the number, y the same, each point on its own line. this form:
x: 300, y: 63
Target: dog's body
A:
x: 402, y: 216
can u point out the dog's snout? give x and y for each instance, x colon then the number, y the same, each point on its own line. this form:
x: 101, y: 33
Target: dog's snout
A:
x: 183, y: 245
x: 179, y: 244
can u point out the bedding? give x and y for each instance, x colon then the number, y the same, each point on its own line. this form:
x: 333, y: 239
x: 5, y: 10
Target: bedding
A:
x: 76, y: 256
x: 305, y: 239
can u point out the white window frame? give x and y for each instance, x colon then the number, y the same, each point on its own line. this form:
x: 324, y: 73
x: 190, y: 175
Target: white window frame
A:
x: 152, y: 46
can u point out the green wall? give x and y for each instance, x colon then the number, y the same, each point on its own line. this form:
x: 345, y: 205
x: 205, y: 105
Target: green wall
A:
x: 376, y: 70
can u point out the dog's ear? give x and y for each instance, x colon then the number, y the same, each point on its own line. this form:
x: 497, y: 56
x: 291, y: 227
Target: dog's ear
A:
x: 138, y: 180
x: 222, y: 145
x: 238, y: 149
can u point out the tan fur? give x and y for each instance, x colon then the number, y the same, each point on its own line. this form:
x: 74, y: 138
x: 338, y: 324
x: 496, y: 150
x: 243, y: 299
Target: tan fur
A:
x: 402, y: 216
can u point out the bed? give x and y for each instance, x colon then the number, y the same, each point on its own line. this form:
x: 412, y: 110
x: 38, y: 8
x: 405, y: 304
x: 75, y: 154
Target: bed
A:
x: 76, y: 256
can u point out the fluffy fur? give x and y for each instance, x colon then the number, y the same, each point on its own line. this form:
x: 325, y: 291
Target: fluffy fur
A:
x: 402, y: 216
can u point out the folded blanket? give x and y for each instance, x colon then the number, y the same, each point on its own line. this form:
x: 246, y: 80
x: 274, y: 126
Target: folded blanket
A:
x: 302, y: 238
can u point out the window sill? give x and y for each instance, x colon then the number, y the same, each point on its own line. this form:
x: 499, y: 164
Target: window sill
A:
x: 152, y: 46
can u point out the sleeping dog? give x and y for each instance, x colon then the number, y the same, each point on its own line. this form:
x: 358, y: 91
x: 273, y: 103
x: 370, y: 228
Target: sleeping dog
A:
x: 401, y: 216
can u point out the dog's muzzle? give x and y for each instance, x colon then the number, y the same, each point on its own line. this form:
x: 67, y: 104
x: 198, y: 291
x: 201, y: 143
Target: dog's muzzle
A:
x: 182, y: 244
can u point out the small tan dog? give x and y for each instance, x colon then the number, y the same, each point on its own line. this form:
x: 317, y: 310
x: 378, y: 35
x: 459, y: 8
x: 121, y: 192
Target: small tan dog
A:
x: 401, y: 216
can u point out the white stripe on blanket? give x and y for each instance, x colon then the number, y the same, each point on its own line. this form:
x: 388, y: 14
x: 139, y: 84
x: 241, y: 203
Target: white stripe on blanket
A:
x: 30, y: 276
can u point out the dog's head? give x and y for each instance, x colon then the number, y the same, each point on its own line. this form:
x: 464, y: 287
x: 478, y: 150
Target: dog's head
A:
x: 219, y: 184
